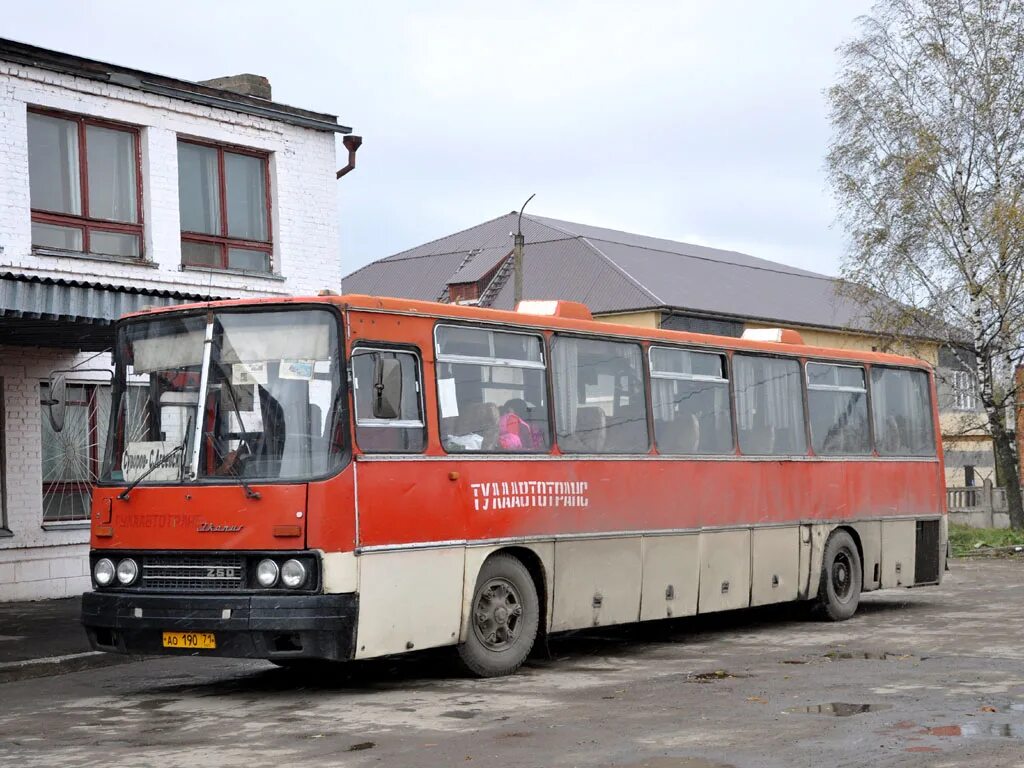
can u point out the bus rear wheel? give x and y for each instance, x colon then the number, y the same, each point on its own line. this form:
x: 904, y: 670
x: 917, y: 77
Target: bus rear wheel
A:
x: 504, y: 617
x: 841, y: 578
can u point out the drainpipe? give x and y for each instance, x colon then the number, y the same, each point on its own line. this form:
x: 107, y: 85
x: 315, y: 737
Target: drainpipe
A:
x: 352, y: 144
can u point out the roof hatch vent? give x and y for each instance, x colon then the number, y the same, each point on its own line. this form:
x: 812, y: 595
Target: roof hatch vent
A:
x: 569, y: 309
x: 778, y: 335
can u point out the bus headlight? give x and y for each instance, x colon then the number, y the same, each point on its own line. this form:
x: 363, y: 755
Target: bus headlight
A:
x: 127, y: 571
x: 266, y: 573
x: 103, y: 572
x: 293, y: 574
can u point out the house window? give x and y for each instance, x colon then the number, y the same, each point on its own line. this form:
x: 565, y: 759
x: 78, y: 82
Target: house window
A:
x: 969, y: 476
x: 224, y: 198
x: 84, y: 184
x: 965, y: 391
x: 72, y: 455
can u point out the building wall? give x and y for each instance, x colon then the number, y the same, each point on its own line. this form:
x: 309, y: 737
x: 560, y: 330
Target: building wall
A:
x: 650, y: 319
x: 302, y: 165
x: 38, y: 561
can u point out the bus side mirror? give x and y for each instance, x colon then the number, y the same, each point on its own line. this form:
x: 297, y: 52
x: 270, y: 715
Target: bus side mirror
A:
x: 387, y: 388
x: 55, y: 401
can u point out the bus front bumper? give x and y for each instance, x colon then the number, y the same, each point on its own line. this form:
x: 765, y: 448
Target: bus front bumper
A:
x: 275, y: 627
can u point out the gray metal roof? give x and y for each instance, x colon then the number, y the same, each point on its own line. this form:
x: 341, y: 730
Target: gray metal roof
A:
x: 55, y: 61
x: 614, y: 271
x: 418, y: 277
x: 54, y: 312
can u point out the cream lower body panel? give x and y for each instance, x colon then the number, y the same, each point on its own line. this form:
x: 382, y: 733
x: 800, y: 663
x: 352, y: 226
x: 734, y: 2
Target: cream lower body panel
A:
x: 671, y: 575
x: 597, y: 581
x: 409, y: 599
x: 724, y: 570
x: 775, y: 565
x: 422, y: 598
x: 899, y: 540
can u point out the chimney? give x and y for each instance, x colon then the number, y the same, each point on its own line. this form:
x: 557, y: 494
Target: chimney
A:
x: 245, y: 85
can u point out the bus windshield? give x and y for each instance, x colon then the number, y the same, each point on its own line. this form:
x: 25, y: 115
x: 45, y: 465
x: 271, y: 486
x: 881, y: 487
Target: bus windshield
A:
x: 232, y: 394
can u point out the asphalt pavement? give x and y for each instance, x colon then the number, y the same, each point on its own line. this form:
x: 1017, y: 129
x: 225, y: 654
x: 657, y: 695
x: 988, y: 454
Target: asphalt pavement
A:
x: 925, y: 677
x: 44, y: 638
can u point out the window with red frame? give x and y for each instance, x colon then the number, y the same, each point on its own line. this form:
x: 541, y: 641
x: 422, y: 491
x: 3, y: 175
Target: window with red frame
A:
x: 84, y: 184
x: 224, y: 199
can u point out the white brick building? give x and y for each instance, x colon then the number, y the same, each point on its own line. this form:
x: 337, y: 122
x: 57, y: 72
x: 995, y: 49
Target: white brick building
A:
x: 121, y: 189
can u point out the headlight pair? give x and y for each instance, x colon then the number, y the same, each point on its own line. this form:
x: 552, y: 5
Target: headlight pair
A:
x: 126, y: 572
x: 291, y: 573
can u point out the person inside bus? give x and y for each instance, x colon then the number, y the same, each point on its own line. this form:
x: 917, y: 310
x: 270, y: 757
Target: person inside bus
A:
x: 510, y: 431
x: 530, y: 437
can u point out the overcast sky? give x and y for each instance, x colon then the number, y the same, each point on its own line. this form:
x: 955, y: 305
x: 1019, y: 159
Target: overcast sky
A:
x: 696, y: 121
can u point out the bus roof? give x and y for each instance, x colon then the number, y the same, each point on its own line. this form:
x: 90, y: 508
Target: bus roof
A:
x: 577, y: 323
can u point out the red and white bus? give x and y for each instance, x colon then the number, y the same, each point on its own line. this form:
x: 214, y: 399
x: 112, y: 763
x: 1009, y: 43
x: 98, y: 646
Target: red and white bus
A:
x: 345, y: 477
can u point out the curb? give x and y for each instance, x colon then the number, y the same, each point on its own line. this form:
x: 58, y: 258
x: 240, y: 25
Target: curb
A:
x: 60, y: 665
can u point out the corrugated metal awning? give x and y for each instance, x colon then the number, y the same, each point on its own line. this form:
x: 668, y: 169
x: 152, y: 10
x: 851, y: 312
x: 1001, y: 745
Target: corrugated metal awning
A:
x: 54, y: 312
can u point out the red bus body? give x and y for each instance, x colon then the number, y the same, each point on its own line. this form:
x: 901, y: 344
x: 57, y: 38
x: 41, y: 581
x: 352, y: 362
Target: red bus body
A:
x: 610, y: 539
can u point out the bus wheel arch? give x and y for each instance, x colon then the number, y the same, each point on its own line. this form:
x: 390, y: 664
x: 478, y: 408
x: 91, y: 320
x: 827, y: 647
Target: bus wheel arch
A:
x: 504, y: 617
x: 842, y: 576
x: 860, y: 546
x: 535, y: 565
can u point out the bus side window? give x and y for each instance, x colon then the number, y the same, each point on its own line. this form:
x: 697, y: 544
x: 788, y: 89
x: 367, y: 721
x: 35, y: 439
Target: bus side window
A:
x: 600, y: 399
x: 405, y: 433
x: 491, y: 391
x: 690, y: 400
x: 769, y: 406
x: 902, y: 412
x: 838, y: 407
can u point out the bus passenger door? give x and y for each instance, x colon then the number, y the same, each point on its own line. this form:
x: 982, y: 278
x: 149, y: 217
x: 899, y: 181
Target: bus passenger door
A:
x: 410, y: 549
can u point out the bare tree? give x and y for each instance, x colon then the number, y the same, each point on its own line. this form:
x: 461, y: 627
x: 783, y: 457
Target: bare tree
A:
x: 927, y: 165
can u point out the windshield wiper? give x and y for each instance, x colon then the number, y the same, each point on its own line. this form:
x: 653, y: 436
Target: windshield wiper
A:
x: 178, y: 449
x: 239, y: 461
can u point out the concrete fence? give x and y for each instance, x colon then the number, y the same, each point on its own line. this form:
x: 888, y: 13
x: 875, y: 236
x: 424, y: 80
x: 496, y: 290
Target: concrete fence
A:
x: 982, y: 506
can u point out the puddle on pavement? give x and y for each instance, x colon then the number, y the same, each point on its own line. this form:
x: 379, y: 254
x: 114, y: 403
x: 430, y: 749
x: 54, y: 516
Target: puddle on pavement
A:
x: 461, y: 714
x: 872, y: 655
x: 718, y: 674
x: 837, y: 709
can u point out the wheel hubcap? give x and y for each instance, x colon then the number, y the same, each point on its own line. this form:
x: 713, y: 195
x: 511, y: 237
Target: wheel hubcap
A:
x: 498, y: 611
x: 842, y: 581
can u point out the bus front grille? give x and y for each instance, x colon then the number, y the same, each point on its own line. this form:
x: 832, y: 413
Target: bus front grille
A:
x: 193, y: 573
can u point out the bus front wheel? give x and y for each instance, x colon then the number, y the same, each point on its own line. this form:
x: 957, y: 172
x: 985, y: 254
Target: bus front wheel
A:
x: 841, y: 578
x: 504, y: 617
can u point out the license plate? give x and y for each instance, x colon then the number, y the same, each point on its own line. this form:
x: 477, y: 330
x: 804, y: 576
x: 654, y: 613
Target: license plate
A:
x: 189, y: 640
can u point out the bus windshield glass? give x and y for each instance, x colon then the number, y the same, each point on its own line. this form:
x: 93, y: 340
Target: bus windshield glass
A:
x: 248, y: 395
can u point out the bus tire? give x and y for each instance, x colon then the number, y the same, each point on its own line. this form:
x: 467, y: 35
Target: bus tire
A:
x: 503, y: 620
x: 841, y: 578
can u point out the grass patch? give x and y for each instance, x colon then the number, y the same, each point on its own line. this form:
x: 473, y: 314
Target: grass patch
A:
x: 962, y: 538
